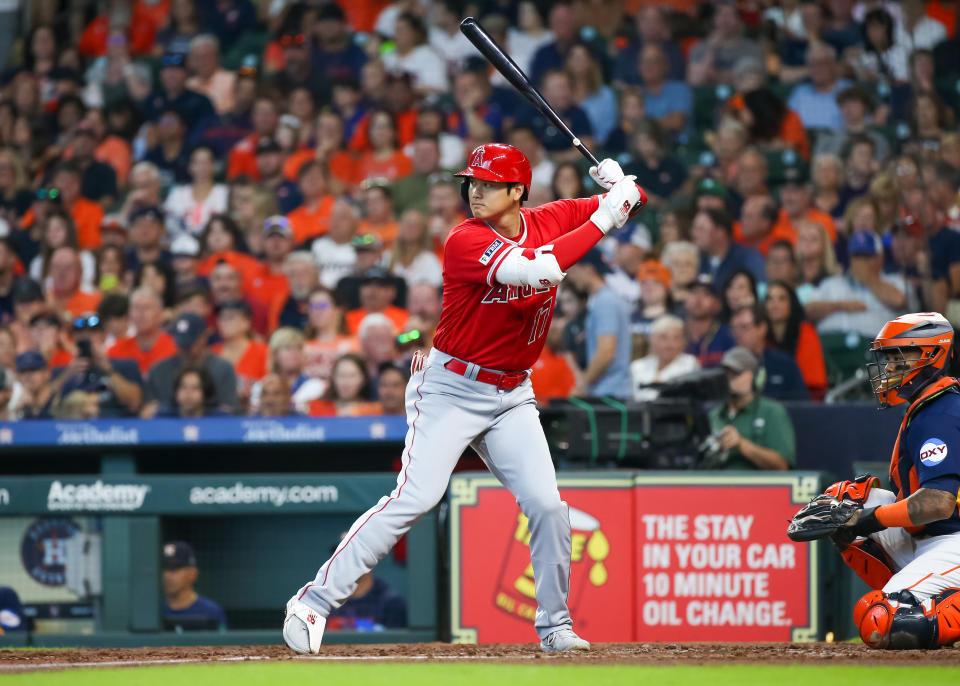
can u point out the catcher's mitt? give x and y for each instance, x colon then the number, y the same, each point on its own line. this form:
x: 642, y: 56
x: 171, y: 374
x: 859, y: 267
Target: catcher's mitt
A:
x: 822, y: 517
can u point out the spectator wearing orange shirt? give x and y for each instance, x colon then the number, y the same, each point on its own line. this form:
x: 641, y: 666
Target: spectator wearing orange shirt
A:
x: 378, y: 216
x: 349, y: 391
x: 377, y: 293
x: 149, y: 343
x: 50, y: 337
x: 86, y: 214
x: 769, y: 121
x: 66, y: 273
x: 111, y: 149
x: 248, y: 357
x: 758, y: 227
x: 384, y: 159
x: 270, y: 282
x: 796, y: 200
x: 326, y: 334
x: 331, y: 149
x: 226, y: 286
x: 791, y: 333
x: 312, y: 218
x: 243, y: 156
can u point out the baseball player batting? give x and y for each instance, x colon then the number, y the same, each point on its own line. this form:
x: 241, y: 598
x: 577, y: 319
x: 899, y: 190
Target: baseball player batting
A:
x: 500, y: 276
x: 904, y: 544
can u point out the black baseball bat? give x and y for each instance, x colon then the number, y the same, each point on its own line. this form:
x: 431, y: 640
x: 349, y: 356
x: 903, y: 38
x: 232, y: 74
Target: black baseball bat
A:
x: 488, y: 47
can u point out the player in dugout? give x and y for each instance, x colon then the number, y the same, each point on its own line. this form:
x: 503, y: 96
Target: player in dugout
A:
x: 500, y: 275
x: 904, y: 543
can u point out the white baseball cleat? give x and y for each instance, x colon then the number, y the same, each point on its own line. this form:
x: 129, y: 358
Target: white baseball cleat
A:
x: 562, y: 641
x: 303, y: 628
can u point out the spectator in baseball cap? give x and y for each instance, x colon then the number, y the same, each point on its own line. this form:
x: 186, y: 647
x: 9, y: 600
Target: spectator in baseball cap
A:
x: 190, y: 335
x: 248, y: 356
x: 378, y: 292
x: 184, y: 608
x: 270, y: 167
x: 860, y: 301
x: 707, y: 337
x: 607, y: 328
x: 655, y: 300
x: 754, y: 432
x: 37, y: 397
x: 185, y: 254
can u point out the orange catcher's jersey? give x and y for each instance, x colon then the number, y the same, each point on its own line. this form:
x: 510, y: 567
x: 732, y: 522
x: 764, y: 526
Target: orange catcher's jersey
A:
x: 483, y: 321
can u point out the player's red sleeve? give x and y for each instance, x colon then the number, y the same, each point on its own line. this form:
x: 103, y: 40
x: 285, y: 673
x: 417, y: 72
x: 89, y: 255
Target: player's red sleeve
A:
x: 563, y: 216
x: 570, y: 247
x: 473, y: 252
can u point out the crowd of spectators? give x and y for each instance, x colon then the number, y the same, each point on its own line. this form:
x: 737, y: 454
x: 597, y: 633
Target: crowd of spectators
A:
x: 215, y: 207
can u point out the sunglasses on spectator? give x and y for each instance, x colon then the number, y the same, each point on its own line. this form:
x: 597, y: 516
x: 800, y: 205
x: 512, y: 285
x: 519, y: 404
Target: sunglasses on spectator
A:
x: 298, y: 39
x: 87, y: 323
x: 48, y: 194
x: 320, y: 307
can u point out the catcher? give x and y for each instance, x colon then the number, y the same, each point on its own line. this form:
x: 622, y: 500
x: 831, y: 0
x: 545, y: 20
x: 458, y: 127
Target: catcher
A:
x: 904, y: 544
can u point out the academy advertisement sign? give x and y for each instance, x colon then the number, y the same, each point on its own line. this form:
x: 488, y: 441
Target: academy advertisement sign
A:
x: 671, y: 558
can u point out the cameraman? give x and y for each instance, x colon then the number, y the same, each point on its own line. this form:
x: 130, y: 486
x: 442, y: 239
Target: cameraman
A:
x: 117, y: 382
x: 754, y: 432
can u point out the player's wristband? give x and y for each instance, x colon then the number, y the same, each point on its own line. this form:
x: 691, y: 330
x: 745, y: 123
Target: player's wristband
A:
x: 894, y: 514
x: 868, y: 523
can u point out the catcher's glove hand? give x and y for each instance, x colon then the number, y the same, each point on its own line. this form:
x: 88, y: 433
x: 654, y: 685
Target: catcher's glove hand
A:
x: 823, y: 517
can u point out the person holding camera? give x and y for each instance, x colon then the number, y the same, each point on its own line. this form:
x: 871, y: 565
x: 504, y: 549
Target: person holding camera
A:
x: 753, y: 431
x: 116, y: 381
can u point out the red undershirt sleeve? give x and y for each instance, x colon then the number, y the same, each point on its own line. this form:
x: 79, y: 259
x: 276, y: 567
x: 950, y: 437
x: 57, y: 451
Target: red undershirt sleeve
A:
x: 571, y: 246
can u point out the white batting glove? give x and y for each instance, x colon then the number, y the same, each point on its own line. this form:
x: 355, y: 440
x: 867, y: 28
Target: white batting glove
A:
x: 615, y: 207
x: 607, y: 174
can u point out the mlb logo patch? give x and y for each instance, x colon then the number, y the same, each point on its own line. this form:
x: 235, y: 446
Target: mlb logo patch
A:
x: 490, y: 251
x: 933, y: 452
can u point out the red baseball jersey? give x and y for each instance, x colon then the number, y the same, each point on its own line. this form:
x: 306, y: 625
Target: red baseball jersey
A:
x: 483, y: 321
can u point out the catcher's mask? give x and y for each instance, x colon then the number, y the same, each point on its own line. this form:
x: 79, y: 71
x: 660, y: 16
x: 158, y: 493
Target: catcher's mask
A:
x: 909, y: 353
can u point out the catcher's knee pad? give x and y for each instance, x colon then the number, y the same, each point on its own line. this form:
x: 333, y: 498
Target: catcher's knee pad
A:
x: 869, y: 561
x: 896, y: 621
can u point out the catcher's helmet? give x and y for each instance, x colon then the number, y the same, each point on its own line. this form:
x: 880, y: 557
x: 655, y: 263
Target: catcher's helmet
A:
x: 498, y: 162
x: 909, y: 353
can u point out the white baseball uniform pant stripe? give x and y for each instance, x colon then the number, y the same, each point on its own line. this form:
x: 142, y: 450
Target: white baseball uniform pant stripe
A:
x: 923, y: 566
x: 447, y: 412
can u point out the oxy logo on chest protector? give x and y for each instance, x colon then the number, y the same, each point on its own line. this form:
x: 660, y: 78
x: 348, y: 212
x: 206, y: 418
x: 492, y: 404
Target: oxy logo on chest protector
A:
x: 933, y: 452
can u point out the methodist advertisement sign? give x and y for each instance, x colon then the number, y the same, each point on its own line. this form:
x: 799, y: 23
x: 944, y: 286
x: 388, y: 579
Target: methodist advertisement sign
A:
x: 654, y: 557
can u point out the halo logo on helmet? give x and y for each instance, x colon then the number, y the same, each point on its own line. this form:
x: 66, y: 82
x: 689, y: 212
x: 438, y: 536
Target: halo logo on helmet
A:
x: 909, y: 353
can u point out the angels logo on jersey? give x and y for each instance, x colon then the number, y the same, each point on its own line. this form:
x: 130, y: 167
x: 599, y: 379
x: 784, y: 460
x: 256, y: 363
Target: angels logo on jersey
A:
x: 503, y: 294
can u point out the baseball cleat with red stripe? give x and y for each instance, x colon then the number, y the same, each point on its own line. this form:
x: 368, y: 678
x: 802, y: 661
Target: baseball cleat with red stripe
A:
x: 303, y: 628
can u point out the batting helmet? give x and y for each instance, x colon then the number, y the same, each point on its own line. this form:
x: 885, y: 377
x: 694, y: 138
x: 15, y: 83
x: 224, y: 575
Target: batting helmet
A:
x: 498, y: 162
x: 909, y: 353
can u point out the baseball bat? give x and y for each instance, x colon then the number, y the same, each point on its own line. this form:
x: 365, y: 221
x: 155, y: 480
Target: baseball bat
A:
x: 488, y: 47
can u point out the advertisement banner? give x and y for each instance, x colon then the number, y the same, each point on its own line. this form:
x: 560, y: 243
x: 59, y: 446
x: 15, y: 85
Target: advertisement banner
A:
x: 654, y: 558
x: 713, y: 562
x: 493, y: 598
x: 192, y: 495
x: 209, y: 430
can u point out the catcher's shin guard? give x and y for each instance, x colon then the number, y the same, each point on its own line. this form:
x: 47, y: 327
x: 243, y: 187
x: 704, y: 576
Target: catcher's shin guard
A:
x: 896, y: 621
x: 868, y: 560
x: 948, y: 617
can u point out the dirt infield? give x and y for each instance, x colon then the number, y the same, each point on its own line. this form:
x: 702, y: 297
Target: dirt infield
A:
x: 603, y: 653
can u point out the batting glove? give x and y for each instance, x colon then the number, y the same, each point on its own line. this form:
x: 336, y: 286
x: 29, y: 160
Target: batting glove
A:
x: 617, y: 205
x: 607, y: 173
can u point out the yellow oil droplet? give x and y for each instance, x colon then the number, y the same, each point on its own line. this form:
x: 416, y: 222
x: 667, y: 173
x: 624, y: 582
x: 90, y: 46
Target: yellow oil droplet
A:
x: 598, y: 574
x: 598, y: 547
